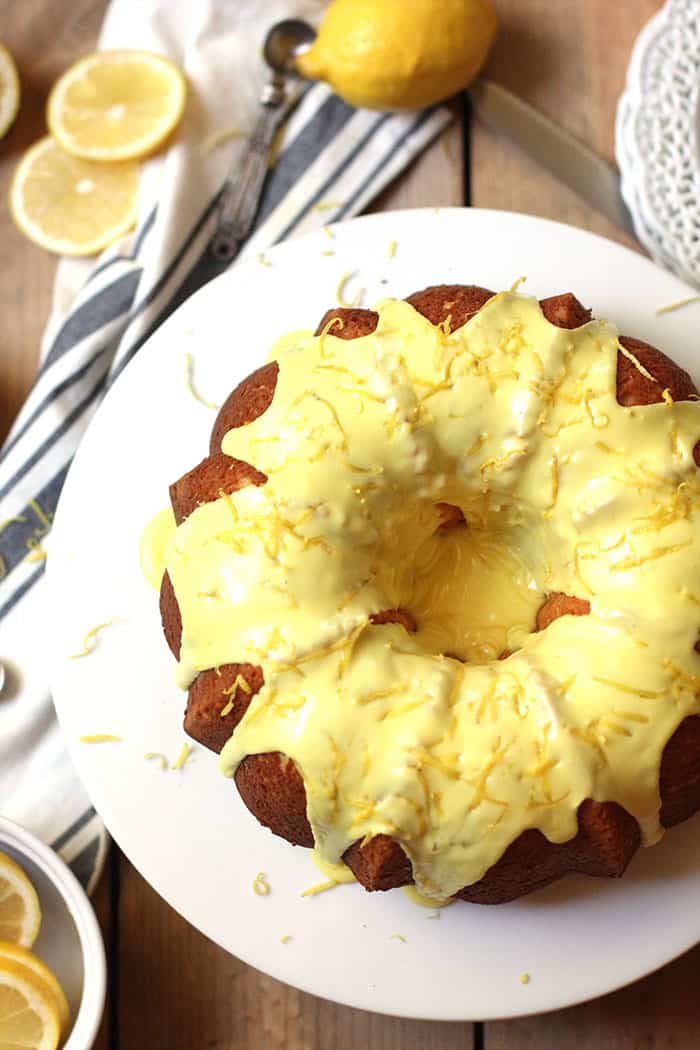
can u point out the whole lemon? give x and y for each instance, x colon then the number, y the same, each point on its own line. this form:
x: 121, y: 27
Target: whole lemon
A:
x: 393, y: 54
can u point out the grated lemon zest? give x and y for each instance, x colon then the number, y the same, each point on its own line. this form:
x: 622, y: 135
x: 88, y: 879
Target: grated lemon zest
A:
x: 90, y: 639
x: 333, y: 323
x: 320, y: 887
x: 678, y: 305
x: 286, y: 938
x: 637, y: 364
x: 667, y: 396
x: 329, y: 232
x: 239, y: 683
x: 340, y: 292
x: 99, y: 738
x: 189, y: 379
x: 525, y: 978
x: 159, y: 755
x: 261, y: 887
x: 398, y: 937
x: 599, y: 422
x: 645, y: 694
x: 182, y: 757
x: 392, y: 249
x: 516, y: 284
x: 554, y: 467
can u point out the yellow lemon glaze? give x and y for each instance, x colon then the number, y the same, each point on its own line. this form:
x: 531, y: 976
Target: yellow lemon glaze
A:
x: 516, y: 422
x: 334, y: 871
x: 154, y: 541
x: 426, y: 902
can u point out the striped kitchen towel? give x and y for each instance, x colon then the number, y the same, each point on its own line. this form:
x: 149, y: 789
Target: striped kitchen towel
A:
x: 331, y: 161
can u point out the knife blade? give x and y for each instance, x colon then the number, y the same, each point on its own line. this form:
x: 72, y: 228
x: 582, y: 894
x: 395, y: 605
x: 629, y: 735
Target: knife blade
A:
x: 570, y: 161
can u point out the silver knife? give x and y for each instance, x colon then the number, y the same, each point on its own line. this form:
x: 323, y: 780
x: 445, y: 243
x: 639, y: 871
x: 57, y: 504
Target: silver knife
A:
x: 574, y: 164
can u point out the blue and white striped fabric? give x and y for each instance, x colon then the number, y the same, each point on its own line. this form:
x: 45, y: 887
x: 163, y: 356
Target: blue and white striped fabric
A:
x: 332, y: 161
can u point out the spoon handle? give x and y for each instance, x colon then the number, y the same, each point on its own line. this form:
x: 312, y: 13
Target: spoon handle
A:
x: 240, y: 195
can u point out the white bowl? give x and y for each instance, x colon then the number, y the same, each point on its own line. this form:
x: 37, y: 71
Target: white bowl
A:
x: 70, y: 941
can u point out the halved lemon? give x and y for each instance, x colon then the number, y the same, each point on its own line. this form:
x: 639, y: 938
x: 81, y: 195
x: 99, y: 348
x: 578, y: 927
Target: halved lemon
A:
x: 9, y: 90
x: 72, y: 206
x: 20, y: 911
x: 116, y: 105
x: 41, y: 971
x: 28, y: 1014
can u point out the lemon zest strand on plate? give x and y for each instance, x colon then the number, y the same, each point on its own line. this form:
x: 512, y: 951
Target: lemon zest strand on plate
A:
x: 320, y: 887
x: 398, y: 937
x: 678, y: 305
x: 392, y: 249
x: 99, y: 738
x: 326, y: 205
x: 516, y: 284
x: 160, y: 756
x: 189, y: 378
x: 261, y: 887
x: 525, y: 978
x: 286, y: 938
x: 329, y: 232
x: 340, y: 292
x: 90, y: 640
x: 182, y: 757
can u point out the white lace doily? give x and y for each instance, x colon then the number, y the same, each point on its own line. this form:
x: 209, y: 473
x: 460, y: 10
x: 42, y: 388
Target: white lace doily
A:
x: 657, y: 138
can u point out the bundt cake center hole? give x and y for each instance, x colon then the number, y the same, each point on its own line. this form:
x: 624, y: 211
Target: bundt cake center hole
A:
x: 469, y: 590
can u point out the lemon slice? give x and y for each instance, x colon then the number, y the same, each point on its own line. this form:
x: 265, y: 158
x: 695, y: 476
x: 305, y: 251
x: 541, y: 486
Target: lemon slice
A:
x: 72, y: 206
x: 9, y: 90
x: 116, y: 105
x: 28, y: 1014
x: 20, y: 912
x: 43, y: 974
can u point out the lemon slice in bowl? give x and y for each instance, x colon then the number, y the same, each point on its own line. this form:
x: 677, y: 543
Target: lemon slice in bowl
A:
x: 28, y: 1013
x: 116, y: 105
x: 20, y: 911
x: 72, y: 206
x: 43, y: 974
x: 9, y: 90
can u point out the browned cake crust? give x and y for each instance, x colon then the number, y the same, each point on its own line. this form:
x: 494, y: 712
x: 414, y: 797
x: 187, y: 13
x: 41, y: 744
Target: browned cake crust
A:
x: 270, y: 784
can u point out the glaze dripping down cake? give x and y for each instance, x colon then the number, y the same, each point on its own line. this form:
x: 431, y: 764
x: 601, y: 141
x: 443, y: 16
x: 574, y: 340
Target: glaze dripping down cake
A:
x: 435, y: 592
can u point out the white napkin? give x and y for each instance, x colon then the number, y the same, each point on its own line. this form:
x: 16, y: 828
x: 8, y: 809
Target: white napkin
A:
x: 332, y: 161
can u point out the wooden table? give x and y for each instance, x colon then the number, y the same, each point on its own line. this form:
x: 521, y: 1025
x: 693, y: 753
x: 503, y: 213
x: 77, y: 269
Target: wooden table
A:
x: 169, y: 986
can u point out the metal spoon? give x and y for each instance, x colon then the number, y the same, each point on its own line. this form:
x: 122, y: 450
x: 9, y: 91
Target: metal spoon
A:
x: 240, y: 195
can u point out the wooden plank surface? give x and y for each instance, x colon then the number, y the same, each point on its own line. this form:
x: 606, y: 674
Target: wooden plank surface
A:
x: 44, y: 40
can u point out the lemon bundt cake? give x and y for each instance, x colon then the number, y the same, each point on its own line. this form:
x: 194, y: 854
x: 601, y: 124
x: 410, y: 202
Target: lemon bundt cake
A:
x: 435, y: 593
